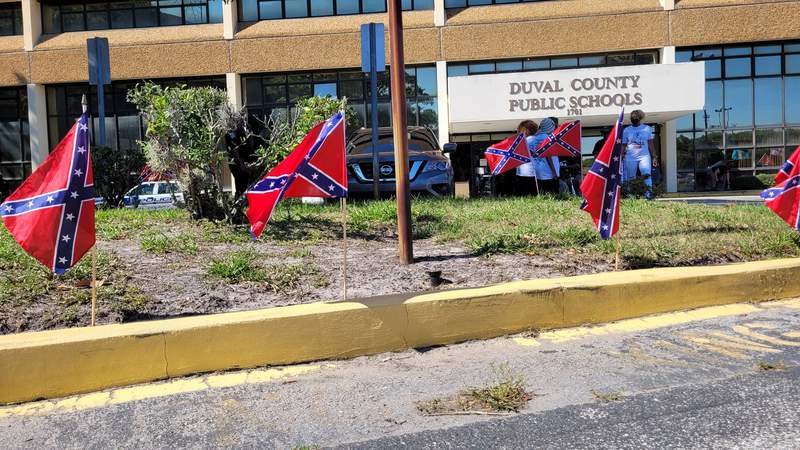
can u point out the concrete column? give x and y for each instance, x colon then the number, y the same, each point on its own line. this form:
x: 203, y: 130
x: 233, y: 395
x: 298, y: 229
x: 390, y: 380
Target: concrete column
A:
x: 234, y: 88
x: 668, y: 5
x: 230, y: 19
x: 37, y: 121
x: 669, y: 136
x: 31, y: 23
x: 439, y: 13
x: 442, y: 102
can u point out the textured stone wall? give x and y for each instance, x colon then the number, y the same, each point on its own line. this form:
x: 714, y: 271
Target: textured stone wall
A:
x: 492, y: 32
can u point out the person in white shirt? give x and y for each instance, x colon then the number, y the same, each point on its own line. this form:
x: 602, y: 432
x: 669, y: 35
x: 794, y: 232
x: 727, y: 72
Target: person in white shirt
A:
x: 639, y: 153
x: 525, y: 183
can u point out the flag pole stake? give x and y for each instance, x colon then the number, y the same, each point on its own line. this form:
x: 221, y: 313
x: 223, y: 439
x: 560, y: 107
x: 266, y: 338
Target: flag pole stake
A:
x: 343, y: 202
x: 94, y: 283
x: 616, y: 258
x: 536, y: 181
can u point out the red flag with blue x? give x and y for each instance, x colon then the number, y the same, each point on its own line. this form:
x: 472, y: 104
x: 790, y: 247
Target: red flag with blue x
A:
x: 565, y: 141
x: 601, y: 186
x: 508, y: 154
x: 316, y: 168
x: 784, y: 197
x: 51, y: 214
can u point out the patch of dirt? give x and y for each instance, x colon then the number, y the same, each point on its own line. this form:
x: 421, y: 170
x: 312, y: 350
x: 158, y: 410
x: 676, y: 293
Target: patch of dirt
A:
x: 175, y: 285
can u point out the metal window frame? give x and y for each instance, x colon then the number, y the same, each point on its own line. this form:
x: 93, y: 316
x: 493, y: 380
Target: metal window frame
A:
x: 550, y: 59
x: 308, y: 10
x: 107, y: 9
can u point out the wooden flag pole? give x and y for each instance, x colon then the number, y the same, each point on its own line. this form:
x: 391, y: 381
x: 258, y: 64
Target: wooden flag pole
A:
x: 94, y: 283
x: 343, y: 202
x: 617, y: 256
x: 536, y: 181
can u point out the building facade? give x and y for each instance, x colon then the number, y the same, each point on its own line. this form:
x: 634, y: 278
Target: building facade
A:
x: 268, y: 53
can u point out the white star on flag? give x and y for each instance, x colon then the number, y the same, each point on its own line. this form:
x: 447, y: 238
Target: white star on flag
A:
x: 65, y: 238
x: 81, y: 149
x: 9, y: 208
x: 84, y: 127
x: 610, y: 194
x: 616, y: 158
x: 78, y: 172
x: 73, y: 194
x: 605, y: 227
x: 315, y: 176
x: 330, y: 188
x: 771, y: 194
x: 608, y: 210
x: 62, y: 260
x: 30, y: 205
x: 70, y: 216
x: 613, y: 177
x: 272, y: 185
x: 50, y: 199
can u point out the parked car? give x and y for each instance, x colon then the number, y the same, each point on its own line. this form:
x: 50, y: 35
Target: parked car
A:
x: 429, y: 169
x: 153, y: 195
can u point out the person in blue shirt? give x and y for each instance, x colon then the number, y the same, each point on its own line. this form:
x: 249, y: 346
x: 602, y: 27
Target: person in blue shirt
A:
x: 546, y: 170
x: 525, y: 182
x: 639, y: 154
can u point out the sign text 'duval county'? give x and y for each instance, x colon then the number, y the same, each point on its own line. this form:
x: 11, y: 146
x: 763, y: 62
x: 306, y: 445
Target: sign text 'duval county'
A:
x: 595, y: 95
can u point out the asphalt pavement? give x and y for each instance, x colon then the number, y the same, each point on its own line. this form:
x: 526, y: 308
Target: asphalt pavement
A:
x: 681, y: 380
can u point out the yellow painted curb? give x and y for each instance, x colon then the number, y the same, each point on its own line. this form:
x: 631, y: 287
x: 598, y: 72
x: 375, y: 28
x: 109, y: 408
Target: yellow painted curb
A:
x: 64, y: 362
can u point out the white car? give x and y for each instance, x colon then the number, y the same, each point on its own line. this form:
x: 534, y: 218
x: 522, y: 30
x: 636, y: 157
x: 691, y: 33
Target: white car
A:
x: 154, y: 195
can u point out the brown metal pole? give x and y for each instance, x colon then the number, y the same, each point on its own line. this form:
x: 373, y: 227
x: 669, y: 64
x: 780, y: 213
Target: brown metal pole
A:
x: 400, y: 130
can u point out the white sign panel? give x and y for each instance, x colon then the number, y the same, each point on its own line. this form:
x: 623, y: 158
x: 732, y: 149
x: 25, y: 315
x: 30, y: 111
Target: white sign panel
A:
x: 497, y: 102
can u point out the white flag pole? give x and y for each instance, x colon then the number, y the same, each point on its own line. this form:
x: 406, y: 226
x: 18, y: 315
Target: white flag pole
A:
x: 343, y: 202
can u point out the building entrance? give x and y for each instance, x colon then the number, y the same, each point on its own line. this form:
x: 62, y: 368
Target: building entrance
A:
x: 470, y: 166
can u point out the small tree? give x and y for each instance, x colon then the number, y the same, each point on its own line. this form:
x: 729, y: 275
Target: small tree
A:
x: 115, y: 172
x: 185, y: 127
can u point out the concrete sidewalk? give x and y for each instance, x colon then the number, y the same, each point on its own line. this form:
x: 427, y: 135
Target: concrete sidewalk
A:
x: 716, y: 199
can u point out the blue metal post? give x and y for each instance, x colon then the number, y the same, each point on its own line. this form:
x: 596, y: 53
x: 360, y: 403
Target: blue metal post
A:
x: 373, y: 88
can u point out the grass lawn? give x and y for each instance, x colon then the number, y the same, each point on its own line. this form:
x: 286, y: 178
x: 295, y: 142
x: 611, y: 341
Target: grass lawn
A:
x: 653, y: 234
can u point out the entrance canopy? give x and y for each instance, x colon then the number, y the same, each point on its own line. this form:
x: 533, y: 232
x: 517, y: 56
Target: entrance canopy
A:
x: 498, y: 102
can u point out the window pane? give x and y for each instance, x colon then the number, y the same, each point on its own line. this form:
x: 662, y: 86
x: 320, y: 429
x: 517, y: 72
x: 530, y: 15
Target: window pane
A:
x: 296, y: 8
x: 51, y: 19
x: 72, y: 22
x: 645, y: 58
x: 426, y: 81
x: 707, y: 53
x: 509, y: 66
x: 169, y: 16
x: 420, y: 5
x: 792, y: 136
x: 712, y: 115
x: 741, y: 158
x: 560, y: 63
x: 456, y: 70
x: 10, y: 149
x: 352, y: 89
x: 768, y: 65
x: 792, y: 63
x: 713, y: 68
x: 346, y: 7
x: 685, y: 151
x: 195, y: 14
x: 215, y: 11
x: 269, y: 10
x: 252, y: 91
x: 248, y: 9
x: 428, y: 115
x: 621, y: 60
x: 739, y: 138
x: 321, y: 7
x: 791, y: 88
x: 128, y: 132
x: 737, y: 67
x: 739, y: 103
x: 769, y: 136
x: 97, y: 20
x: 736, y: 51
x: 455, y: 3
x: 146, y: 17
x: 592, y: 60
x: 768, y: 101
x: 481, y: 68
x: 276, y: 93
x: 767, y: 49
x: 536, y: 64
x: 769, y: 157
x: 683, y: 56
x: 325, y: 89
x: 684, y: 123
x: 374, y: 5
x: 296, y: 91
x: 122, y: 18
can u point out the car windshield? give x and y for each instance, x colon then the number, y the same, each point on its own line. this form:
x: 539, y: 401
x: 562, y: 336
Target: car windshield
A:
x: 361, y: 143
x: 142, y: 189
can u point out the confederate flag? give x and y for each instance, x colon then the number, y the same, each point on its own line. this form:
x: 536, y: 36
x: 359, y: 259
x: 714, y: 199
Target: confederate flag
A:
x: 508, y: 154
x: 316, y: 168
x: 565, y: 141
x: 601, y: 185
x: 51, y: 214
x: 784, y: 197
